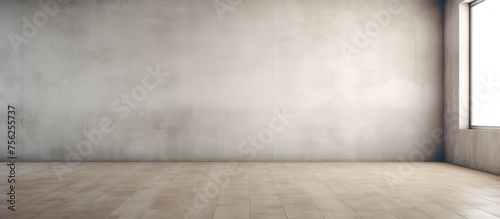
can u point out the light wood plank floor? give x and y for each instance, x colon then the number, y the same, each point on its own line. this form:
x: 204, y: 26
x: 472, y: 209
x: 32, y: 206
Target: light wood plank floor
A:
x: 252, y: 190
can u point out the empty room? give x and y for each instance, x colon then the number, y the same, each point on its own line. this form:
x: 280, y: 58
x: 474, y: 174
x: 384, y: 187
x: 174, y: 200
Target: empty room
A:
x: 249, y: 109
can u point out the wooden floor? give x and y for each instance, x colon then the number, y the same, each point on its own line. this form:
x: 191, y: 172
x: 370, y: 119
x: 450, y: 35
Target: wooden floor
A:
x: 252, y: 190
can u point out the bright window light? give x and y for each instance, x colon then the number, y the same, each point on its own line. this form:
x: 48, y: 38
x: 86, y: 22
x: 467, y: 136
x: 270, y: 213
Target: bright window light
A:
x: 485, y: 64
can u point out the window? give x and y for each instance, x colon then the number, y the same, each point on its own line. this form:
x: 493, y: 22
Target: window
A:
x: 485, y: 64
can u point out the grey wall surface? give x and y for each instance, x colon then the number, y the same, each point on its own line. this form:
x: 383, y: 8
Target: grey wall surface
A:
x: 478, y: 149
x: 360, y: 80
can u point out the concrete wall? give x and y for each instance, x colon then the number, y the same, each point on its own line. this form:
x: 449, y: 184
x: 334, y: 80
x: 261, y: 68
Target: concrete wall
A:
x: 281, y: 80
x: 478, y: 149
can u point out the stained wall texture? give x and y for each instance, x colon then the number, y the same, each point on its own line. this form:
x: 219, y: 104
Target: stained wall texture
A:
x: 478, y: 149
x: 262, y: 80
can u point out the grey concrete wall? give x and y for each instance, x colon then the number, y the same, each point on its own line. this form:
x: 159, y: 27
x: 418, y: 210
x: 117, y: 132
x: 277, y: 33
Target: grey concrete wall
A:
x: 478, y: 149
x: 281, y: 80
